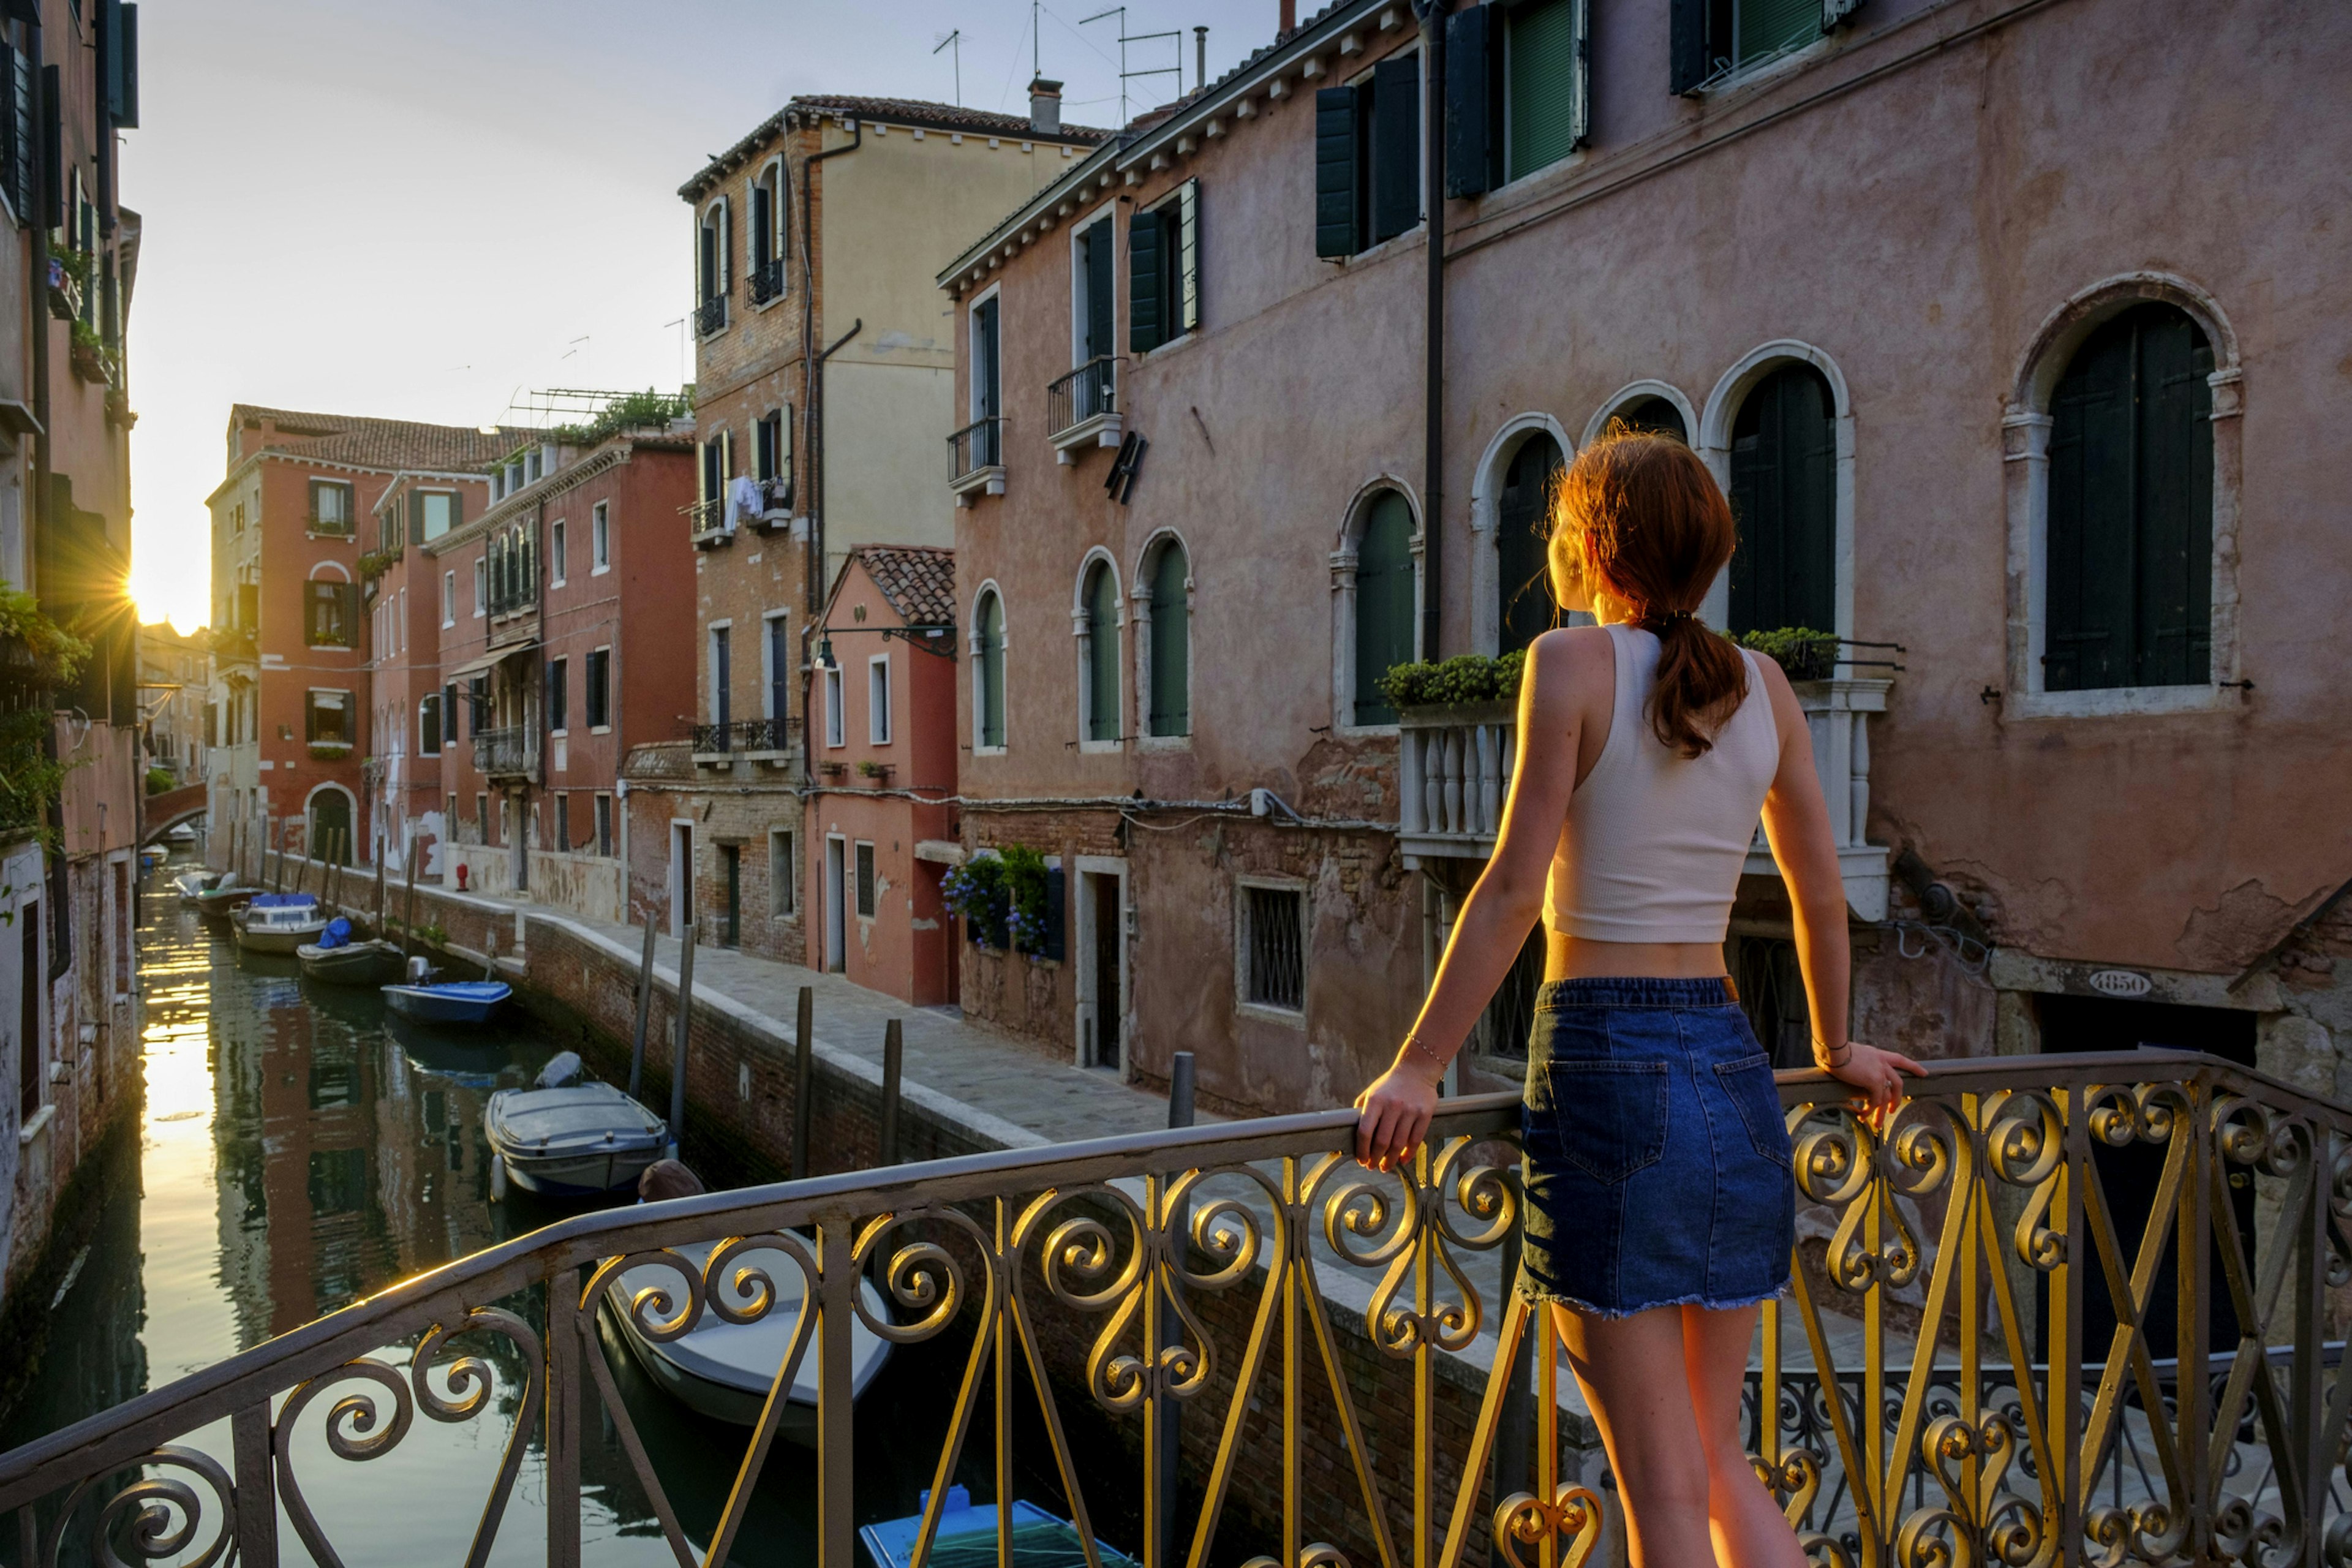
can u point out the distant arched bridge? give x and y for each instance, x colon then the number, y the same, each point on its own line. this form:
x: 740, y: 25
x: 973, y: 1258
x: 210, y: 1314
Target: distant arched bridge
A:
x: 173, y: 807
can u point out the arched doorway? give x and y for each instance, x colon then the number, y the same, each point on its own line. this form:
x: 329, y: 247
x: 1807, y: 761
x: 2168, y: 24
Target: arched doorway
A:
x: 330, y: 827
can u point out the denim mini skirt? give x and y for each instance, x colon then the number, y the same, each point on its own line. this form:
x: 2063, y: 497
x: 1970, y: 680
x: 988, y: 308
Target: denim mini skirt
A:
x: 1658, y: 1170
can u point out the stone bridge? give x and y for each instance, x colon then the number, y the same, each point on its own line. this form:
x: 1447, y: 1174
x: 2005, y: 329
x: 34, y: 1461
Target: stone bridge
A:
x: 172, y: 808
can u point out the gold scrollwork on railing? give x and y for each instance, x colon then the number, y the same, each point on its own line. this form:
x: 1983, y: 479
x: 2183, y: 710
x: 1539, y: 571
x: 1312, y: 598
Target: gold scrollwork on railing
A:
x: 161, y: 1516
x: 1573, y: 1514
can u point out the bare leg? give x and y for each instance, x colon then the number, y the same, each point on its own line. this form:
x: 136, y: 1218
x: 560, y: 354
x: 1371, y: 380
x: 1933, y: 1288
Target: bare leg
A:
x: 1750, y: 1532
x: 1635, y: 1376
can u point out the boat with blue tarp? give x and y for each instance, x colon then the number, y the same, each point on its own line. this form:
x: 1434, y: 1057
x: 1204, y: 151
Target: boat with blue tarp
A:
x: 966, y: 1538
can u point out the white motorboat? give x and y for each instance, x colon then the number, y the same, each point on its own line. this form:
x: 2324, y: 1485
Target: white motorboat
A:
x: 565, y: 1138
x: 182, y: 836
x: 278, y: 922
x: 189, y: 884
x: 724, y: 1370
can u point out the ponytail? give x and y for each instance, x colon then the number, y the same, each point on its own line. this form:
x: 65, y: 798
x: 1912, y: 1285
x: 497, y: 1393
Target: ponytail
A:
x: 1639, y: 518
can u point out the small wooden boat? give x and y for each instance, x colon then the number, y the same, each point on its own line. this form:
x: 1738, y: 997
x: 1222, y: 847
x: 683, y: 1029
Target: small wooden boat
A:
x: 724, y: 1370
x: 190, y: 884
x: 182, y: 836
x: 225, y: 896
x: 565, y: 1138
x: 446, y: 1001
x: 336, y: 960
x: 278, y: 922
x: 967, y: 1537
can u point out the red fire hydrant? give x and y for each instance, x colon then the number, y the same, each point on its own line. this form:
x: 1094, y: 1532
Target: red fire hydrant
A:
x: 461, y: 877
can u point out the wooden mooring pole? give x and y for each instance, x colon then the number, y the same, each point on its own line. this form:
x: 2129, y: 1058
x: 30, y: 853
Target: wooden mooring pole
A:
x: 678, y: 1053
x: 893, y: 1049
x: 644, y: 1005
x: 803, y: 1079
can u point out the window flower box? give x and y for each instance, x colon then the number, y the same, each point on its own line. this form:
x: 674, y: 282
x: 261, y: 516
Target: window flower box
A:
x: 329, y: 751
x: 879, y: 771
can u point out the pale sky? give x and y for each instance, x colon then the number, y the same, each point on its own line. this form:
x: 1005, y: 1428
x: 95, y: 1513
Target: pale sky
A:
x: 423, y: 209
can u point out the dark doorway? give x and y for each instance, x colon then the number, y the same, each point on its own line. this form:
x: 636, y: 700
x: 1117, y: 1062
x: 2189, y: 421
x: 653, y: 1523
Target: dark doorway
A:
x: 30, y: 1050
x: 1110, y: 1006
x: 731, y: 866
x: 2129, y: 1176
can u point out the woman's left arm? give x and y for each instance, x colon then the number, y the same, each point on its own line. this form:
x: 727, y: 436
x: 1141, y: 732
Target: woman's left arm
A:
x: 1504, y: 906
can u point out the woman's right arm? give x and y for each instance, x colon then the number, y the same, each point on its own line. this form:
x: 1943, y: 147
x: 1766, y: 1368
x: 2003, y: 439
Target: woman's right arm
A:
x: 1797, y: 825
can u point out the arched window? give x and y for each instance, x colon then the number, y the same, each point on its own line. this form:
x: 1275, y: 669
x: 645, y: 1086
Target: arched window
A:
x: 713, y: 265
x: 988, y: 673
x: 1653, y: 416
x: 1521, y: 525
x: 765, y: 240
x: 1784, y: 494
x: 1099, y: 626
x: 1171, y: 642
x: 1384, y: 603
x: 2131, y: 508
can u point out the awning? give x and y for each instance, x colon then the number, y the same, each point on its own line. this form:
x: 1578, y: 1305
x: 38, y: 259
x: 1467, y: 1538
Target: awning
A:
x: 476, y: 666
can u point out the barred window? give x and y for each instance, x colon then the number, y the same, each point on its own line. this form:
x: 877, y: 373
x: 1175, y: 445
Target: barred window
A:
x: 865, y: 881
x: 1274, y: 968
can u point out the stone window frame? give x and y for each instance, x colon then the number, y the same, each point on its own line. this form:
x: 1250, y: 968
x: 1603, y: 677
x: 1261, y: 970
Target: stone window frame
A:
x: 1634, y: 392
x: 1486, y: 519
x: 1342, y: 561
x: 2025, y: 428
x: 1139, y: 621
x: 1713, y: 443
x: 1082, y: 637
x: 978, y: 695
x: 785, y: 892
x: 1304, y: 891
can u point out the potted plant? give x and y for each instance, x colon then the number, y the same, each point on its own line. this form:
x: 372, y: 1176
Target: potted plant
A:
x: 1469, y: 688
x: 1004, y: 900
x: 89, y: 354
x: 329, y: 751
x: 873, y: 770
x: 1802, y: 653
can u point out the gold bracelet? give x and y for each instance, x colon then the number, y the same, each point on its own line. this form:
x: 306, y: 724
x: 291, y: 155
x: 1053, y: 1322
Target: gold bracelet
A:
x: 1413, y: 1040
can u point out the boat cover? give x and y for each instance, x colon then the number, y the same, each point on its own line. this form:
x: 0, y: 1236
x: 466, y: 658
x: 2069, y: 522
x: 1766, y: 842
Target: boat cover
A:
x: 557, y: 1120
x: 337, y: 935
x: 967, y: 1538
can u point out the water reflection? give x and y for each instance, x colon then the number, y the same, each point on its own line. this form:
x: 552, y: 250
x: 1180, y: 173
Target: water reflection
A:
x: 300, y: 1150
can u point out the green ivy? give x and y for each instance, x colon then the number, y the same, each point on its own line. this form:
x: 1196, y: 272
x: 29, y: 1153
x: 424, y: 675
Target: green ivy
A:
x: 159, y: 780
x: 50, y: 656
x: 1800, y: 651
x: 376, y: 562
x: 1465, y: 677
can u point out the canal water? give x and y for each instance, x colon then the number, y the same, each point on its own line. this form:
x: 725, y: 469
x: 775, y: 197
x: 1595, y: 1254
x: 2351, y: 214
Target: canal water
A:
x: 300, y: 1150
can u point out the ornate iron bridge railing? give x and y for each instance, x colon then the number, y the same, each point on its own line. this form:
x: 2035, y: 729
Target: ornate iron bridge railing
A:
x: 1339, y: 1332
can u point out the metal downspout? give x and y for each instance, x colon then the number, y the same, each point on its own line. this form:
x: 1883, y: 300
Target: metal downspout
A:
x: 1432, y: 507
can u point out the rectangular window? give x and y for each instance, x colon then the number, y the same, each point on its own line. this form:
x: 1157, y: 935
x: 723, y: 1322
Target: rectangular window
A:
x: 1163, y: 270
x: 555, y: 556
x: 835, y: 728
x: 600, y: 537
x: 773, y: 457
x: 438, y: 513
x: 1094, y: 303
x: 1367, y: 159
x: 330, y: 507
x: 598, y: 695
x: 332, y: 612
x: 1271, y: 943
x: 779, y: 670
x: 559, y: 696
x: 877, y: 700
x: 481, y: 819
x: 327, y: 718
x: 730, y: 880
x: 865, y: 881
x: 721, y: 673
x: 782, y: 873
x: 986, y: 398
x: 561, y: 804
x: 605, y: 825
x: 428, y: 725
x: 481, y: 586
x: 477, y: 705
x: 448, y: 598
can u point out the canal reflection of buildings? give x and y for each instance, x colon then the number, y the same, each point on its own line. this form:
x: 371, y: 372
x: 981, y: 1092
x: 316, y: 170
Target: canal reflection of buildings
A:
x: 344, y: 1162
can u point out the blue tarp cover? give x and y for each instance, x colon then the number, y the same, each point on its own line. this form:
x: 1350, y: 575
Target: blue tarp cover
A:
x: 337, y: 935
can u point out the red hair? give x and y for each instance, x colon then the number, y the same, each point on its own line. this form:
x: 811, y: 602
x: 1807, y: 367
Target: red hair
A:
x: 1639, y: 518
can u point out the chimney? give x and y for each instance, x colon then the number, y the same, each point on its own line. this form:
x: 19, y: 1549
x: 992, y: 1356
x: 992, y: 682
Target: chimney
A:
x: 1289, y: 20
x: 1044, y: 106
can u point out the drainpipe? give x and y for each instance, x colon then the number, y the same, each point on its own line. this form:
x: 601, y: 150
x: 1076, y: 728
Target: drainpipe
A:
x: 1432, y: 508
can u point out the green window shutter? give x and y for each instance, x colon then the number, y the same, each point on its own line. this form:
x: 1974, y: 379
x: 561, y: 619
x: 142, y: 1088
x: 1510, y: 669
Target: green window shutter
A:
x: 428, y: 725
x: 2174, y: 486
x: 1384, y: 609
x: 1147, y: 328
x: 1102, y: 654
x: 1470, y: 101
x: 1544, y: 68
x: 1171, y: 643
x: 1396, y: 147
x: 1692, y: 62
x: 1187, y: 257
x: 1768, y: 27
x: 1783, y: 493
x: 1523, y: 584
x: 1102, y: 289
x: 991, y: 672
x: 1335, y: 172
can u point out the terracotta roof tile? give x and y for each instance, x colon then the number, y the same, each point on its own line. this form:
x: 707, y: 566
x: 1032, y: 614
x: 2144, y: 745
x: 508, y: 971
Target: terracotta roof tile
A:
x: 918, y: 580
x: 380, y: 443
x: 922, y: 111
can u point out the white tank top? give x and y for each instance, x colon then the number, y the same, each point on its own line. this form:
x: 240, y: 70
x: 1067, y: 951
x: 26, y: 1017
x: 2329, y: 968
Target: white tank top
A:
x: 1654, y: 841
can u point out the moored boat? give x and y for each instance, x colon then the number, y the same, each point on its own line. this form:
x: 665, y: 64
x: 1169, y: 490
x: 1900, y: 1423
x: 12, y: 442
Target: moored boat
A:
x: 336, y: 960
x: 565, y: 1138
x: 966, y: 1538
x: 447, y: 1001
x: 225, y: 896
x: 191, y: 884
x: 724, y: 1370
x: 182, y: 836
x: 278, y: 922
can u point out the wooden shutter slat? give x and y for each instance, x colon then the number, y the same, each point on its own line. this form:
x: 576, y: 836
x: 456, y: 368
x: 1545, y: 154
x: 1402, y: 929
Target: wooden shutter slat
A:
x: 1187, y: 258
x: 1384, y: 617
x: 1396, y: 147
x: 1469, y: 101
x: 1102, y: 289
x: 1146, y: 289
x: 1172, y: 644
x: 1335, y: 172
x: 1686, y: 45
x: 1541, y: 63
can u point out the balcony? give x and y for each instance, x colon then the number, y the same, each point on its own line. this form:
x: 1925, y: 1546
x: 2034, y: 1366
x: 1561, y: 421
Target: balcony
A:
x: 1453, y: 773
x: 1082, y: 409
x: 1348, y: 1336
x: 766, y: 280
x: 976, y: 459
x: 1837, y: 711
x: 775, y: 742
x: 509, y: 753
x: 710, y: 316
x: 707, y: 524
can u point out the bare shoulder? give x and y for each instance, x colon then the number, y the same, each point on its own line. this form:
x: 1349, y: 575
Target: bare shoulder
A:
x: 1574, y: 660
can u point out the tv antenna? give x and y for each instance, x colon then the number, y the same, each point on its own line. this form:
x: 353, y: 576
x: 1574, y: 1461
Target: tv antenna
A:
x: 954, y: 41
x: 1125, y: 38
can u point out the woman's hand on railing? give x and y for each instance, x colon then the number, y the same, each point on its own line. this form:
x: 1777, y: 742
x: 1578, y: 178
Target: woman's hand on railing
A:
x: 1395, y: 1111
x: 1878, y: 1073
